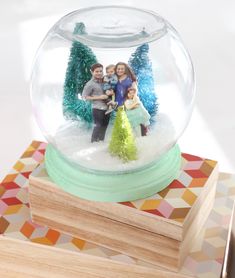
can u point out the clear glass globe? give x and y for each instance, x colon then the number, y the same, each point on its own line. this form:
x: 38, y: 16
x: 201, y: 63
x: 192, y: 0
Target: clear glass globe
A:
x: 67, y: 104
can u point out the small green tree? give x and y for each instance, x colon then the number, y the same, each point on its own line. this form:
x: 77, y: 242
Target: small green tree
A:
x: 122, y: 142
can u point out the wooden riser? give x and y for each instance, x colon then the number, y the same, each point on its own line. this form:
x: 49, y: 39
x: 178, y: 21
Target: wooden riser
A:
x: 169, y: 213
x: 139, y: 244
x: 63, y: 212
x: 23, y: 259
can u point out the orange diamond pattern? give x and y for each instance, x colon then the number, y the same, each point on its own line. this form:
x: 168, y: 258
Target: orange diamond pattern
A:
x: 175, y: 201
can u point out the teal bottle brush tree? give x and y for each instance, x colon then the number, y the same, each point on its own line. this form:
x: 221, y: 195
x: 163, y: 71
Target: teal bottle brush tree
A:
x: 77, y: 74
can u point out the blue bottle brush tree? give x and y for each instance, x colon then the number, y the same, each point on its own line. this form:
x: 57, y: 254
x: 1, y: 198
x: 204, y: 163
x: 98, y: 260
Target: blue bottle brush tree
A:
x: 142, y: 67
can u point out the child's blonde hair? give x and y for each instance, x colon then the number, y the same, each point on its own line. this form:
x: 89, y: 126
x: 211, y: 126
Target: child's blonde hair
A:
x: 110, y: 66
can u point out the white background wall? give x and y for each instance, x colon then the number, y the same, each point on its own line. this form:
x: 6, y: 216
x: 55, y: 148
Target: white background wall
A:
x: 207, y: 29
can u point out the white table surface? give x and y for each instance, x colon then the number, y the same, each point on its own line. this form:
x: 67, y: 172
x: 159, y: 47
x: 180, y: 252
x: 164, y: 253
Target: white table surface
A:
x: 207, y: 29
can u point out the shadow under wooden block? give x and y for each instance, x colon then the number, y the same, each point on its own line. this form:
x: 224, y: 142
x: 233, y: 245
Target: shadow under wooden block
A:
x: 159, y: 229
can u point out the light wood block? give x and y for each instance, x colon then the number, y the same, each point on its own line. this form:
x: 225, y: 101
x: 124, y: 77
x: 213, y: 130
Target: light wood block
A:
x: 25, y: 259
x: 170, y: 212
x: 127, y: 228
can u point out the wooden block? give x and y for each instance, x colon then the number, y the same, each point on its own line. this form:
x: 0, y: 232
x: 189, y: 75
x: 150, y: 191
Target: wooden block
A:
x: 25, y: 259
x: 204, y: 260
x: 132, y: 228
x: 170, y: 212
x: 128, y: 239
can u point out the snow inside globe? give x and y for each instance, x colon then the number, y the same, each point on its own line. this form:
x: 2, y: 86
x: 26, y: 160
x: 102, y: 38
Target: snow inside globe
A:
x: 112, y: 90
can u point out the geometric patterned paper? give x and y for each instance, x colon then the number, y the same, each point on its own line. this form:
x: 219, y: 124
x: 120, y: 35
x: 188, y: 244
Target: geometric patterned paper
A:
x: 206, y: 257
x: 175, y: 201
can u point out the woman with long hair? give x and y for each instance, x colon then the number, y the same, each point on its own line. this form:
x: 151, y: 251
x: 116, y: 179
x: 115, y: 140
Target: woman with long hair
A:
x: 126, y: 79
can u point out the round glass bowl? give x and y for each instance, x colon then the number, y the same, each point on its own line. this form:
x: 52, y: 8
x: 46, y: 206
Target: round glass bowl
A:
x: 145, y: 43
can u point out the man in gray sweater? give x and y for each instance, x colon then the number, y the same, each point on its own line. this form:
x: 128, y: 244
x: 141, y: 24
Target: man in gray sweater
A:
x: 93, y: 91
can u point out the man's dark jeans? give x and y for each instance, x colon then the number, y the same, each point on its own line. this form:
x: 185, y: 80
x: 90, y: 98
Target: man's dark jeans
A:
x: 101, y: 123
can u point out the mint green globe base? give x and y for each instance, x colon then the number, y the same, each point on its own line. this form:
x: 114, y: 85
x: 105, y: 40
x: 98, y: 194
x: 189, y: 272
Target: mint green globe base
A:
x: 106, y: 187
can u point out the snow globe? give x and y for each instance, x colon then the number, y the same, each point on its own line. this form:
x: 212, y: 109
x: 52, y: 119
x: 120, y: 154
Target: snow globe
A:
x: 112, y: 90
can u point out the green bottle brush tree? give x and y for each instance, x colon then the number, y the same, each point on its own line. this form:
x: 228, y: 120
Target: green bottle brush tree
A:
x: 122, y: 142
